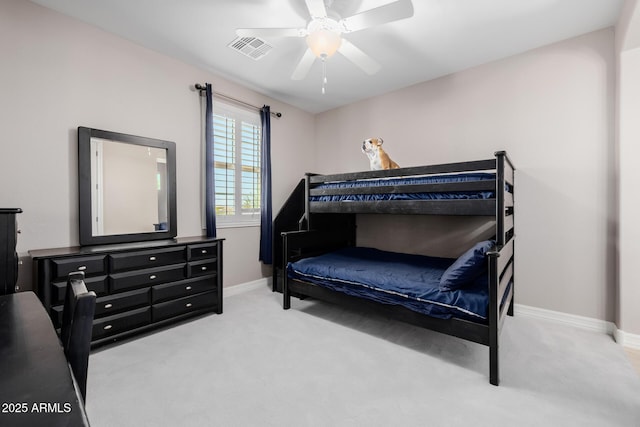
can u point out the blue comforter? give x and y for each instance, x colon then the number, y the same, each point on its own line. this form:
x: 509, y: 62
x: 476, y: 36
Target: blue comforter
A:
x: 392, y: 278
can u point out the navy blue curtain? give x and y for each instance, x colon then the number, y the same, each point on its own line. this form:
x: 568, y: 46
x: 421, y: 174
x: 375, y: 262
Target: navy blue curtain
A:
x: 266, y: 255
x: 210, y: 186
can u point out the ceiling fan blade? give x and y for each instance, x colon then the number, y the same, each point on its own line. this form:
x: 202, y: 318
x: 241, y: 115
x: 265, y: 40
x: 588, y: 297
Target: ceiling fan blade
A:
x: 271, y: 32
x: 358, y: 57
x: 400, y: 9
x: 303, y: 67
x: 316, y: 8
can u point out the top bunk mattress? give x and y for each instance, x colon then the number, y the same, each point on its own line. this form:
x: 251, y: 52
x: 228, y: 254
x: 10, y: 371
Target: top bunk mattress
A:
x: 411, y: 281
x: 407, y: 188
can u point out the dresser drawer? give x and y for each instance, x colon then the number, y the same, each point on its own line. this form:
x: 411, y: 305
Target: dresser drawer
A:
x: 202, y: 268
x: 184, y: 305
x: 146, y: 259
x: 122, y: 301
x: 122, y: 322
x: 97, y: 284
x: 183, y: 288
x: 90, y: 265
x: 146, y: 277
x: 108, y: 304
x: 205, y: 250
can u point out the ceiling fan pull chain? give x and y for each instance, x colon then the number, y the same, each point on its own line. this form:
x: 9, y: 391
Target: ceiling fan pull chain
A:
x: 324, y: 74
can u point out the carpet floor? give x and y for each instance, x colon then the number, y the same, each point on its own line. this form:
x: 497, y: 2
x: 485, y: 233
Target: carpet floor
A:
x: 321, y: 365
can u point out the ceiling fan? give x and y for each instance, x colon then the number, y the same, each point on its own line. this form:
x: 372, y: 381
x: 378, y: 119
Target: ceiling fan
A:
x: 324, y: 34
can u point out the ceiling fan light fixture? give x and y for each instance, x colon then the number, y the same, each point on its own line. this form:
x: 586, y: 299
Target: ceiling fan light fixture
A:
x: 323, y: 37
x: 324, y: 43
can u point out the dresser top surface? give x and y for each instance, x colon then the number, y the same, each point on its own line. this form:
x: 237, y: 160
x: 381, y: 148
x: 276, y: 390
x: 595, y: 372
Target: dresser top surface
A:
x: 89, y: 250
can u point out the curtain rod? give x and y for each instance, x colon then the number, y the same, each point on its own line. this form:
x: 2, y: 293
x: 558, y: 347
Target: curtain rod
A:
x: 199, y: 87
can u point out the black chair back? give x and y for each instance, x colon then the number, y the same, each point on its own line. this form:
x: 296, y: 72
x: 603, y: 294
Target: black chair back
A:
x: 77, y: 324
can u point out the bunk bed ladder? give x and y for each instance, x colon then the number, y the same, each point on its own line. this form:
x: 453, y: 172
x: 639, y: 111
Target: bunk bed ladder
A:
x: 291, y: 217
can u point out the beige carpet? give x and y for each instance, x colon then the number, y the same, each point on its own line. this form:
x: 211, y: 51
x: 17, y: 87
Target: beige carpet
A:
x: 321, y: 365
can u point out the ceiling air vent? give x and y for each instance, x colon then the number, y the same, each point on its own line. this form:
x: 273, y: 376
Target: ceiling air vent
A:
x: 252, y: 47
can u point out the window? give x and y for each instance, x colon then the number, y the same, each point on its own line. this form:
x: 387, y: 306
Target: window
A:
x: 236, y: 144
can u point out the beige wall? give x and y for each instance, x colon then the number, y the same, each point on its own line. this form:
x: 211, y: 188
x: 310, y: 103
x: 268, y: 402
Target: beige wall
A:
x: 629, y: 136
x: 628, y: 50
x: 57, y: 73
x: 552, y: 110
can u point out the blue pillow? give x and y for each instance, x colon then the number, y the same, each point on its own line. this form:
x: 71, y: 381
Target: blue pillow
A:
x: 467, y: 267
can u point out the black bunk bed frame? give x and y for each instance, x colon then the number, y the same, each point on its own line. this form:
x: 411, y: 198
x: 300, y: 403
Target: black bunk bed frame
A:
x: 326, y: 226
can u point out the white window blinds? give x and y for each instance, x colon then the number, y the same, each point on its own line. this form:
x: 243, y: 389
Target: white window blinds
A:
x: 236, y: 137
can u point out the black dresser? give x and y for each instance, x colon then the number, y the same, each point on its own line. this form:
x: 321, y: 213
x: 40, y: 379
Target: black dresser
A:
x: 8, y: 255
x: 140, y: 286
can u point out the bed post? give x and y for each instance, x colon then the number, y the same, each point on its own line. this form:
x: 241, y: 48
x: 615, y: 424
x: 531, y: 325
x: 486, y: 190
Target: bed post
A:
x: 307, y: 197
x: 494, y: 317
x: 500, y: 232
x: 286, y: 295
x: 505, y: 230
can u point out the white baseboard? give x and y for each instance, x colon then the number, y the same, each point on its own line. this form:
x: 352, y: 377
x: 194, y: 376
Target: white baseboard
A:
x: 625, y: 339
x: 246, y: 287
x: 581, y: 322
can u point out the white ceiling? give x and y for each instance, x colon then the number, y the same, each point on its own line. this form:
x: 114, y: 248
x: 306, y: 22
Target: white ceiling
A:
x: 442, y: 37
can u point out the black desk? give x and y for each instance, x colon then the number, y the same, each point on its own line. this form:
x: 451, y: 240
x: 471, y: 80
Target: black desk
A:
x: 36, y: 385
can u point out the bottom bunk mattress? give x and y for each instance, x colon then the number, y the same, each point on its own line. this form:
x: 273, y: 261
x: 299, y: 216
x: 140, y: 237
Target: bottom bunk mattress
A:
x: 412, y: 281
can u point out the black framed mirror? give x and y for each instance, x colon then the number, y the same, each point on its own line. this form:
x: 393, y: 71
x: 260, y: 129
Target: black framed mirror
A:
x: 127, y: 187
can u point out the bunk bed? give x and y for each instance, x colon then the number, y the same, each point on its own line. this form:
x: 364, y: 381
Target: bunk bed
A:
x: 320, y: 251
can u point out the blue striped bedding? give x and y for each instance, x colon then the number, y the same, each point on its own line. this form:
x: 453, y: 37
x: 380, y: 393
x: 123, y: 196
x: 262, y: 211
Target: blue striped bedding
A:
x: 431, y: 179
x: 411, y: 281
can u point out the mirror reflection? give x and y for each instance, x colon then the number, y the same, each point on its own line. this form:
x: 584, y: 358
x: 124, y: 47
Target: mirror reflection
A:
x: 129, y: 186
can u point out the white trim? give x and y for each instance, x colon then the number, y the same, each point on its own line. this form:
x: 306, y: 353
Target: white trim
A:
x: 626, y: 339
x: 631, y: 340
x: 581, y: 322
x: 618, y: 336
x: 245, y: 287
x: 236, y: 224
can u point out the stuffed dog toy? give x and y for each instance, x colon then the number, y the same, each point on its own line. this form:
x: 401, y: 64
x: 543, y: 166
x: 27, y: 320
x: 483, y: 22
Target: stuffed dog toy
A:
x: 378, y: 158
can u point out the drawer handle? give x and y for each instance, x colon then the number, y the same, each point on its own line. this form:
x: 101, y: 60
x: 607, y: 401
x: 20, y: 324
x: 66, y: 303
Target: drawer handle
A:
x: 188, y: 305
x: 106, y: 328
x: 82, y: 268
x: 204, y: 251
x: 188, y: 288
x: 108, y: 305
x: 153, y: 276
x: 152, y: 258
